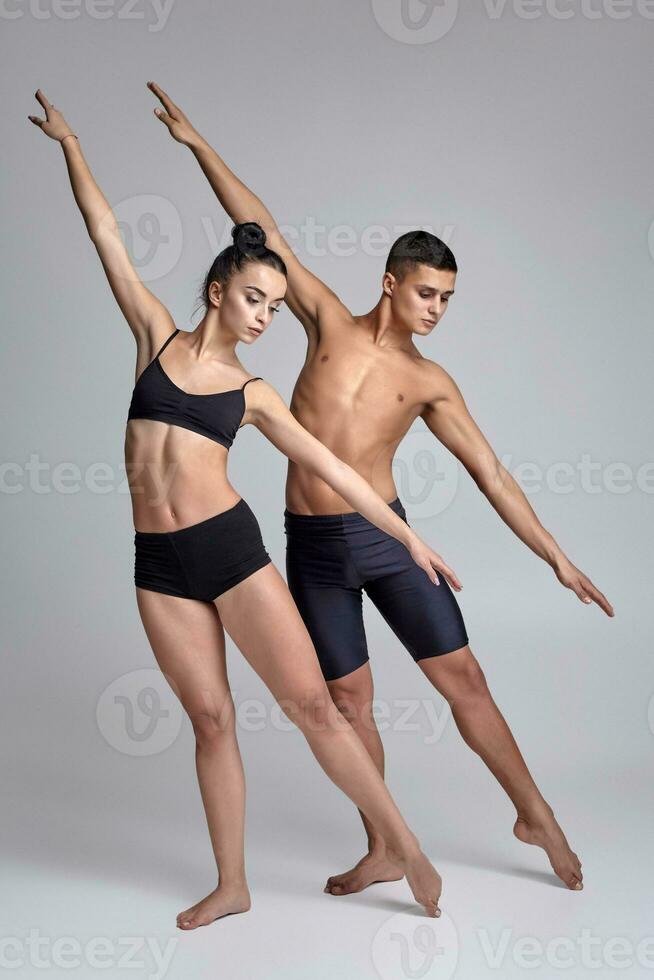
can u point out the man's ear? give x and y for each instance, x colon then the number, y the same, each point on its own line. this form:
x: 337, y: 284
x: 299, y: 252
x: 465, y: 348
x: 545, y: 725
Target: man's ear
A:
x: 388, y: 283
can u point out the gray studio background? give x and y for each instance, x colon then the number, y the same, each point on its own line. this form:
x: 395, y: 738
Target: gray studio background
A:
x: 522, y: 134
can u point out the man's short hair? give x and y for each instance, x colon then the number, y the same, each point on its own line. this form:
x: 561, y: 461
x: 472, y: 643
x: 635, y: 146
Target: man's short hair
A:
x: 419, y: 248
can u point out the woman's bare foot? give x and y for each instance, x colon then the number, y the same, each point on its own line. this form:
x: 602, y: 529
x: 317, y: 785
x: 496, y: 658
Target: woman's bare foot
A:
x: 424, y: 881
x: 375, y: 866
x: 224, y: 900
x: 544, y: 831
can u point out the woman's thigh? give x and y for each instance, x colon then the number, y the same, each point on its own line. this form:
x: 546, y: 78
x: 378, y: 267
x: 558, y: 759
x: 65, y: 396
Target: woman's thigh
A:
x: 188, y: 642
x: 261, y: 617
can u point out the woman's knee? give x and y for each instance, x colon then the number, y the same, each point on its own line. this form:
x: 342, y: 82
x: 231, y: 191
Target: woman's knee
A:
x: 214, y: 722
x: 311, y: 709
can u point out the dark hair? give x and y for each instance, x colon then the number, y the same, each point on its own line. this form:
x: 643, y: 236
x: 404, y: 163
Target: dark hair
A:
x: 419, y: 247
x: 249, y: 245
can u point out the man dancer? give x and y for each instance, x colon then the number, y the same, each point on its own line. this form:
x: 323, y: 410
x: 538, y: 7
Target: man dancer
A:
x: 361, y: 388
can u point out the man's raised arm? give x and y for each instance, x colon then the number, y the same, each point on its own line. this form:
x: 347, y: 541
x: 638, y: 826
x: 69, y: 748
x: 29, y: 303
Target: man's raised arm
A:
x: 307, y: 296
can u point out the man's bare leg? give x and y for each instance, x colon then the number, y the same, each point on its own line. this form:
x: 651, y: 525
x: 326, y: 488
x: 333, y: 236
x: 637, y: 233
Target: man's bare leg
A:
x: 458, y: 677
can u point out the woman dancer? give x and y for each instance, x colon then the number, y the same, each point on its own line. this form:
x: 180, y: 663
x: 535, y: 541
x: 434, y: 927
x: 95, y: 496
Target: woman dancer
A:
x: 200, y: 564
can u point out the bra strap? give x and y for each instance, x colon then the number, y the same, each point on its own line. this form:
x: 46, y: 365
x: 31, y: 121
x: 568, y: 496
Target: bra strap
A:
x: 174, y: 334
x: 248, y: 382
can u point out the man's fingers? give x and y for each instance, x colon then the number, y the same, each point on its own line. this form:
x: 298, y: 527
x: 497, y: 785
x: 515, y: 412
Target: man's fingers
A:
x: 588, y: 593
x: 167, y: 103
x: 602, y: 601
x: 165, y: 118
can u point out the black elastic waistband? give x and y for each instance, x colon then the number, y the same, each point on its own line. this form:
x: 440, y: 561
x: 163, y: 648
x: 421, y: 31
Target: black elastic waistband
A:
x: 240, y: 507
x: 333, y: 520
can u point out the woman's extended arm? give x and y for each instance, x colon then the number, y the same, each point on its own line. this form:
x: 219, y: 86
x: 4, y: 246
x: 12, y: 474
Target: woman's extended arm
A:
x: 142, y: 310
x: 307, y: 296
x: 273, y: 418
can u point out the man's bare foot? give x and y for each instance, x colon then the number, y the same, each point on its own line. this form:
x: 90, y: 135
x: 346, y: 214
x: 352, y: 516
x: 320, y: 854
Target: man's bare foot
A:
x: 373, y: 867
x: 224, y: 900
x: 545, y: 832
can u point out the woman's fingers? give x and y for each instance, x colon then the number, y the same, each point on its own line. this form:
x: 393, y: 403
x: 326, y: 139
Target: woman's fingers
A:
x: 36, y: 120
x: 451, y: 576
x: 40, y: 97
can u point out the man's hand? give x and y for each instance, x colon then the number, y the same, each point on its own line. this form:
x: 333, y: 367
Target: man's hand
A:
x: 178, y: 125
x: 572, y: 578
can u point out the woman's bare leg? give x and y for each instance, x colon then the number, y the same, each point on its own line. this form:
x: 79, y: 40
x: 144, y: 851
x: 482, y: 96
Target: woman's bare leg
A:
x: 188, y: 642
x: 263, y: 620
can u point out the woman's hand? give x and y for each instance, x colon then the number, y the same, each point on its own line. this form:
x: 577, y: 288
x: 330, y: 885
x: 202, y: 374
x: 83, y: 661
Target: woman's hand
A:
x: 429, y: 560
x: 54, y: 125
x: 570, y: 576
x: 178, y: 125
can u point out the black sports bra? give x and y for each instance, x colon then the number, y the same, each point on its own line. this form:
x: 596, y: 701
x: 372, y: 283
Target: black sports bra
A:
x: 216, y: 416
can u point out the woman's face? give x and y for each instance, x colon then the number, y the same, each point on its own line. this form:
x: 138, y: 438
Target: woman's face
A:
x: 249, y: 302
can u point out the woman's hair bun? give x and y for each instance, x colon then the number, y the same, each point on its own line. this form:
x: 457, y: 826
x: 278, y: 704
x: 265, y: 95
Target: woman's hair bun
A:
x: 249, y: 238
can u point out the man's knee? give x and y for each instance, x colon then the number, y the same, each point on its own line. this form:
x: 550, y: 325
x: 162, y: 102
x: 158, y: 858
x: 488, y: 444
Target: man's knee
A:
x: 457, y: 676
x: 352, y: 695
x: 468, y: 679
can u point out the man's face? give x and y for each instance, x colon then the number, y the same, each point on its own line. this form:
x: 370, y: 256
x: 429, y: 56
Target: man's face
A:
x: 419, y: 300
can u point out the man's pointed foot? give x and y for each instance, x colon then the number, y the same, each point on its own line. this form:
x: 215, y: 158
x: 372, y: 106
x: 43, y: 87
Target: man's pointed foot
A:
x: 545, y: 832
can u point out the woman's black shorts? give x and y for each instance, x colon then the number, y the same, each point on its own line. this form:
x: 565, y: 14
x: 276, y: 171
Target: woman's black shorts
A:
x: 201, y: 561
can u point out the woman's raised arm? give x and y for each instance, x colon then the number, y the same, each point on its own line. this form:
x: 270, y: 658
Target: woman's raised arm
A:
x: 147, y: 317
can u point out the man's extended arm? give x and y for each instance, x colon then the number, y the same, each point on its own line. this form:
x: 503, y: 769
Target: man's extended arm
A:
x: 447, y: 416
x: 307, y: 296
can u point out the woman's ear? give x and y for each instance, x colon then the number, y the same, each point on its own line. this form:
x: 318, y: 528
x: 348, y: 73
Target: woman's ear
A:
x: 215, y: 292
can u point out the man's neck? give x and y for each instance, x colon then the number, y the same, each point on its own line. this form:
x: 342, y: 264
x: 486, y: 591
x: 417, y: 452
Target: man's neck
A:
x: 383, y: 331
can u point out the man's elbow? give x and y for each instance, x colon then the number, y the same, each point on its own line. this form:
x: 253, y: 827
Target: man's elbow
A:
x: 489, y: 475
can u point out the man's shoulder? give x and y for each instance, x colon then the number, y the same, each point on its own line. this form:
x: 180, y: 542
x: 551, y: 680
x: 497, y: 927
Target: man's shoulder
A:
x: 434, y: 380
